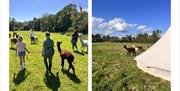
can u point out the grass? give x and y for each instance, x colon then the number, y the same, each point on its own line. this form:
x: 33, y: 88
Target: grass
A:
x: 35, y: 79
x: 113, y: 70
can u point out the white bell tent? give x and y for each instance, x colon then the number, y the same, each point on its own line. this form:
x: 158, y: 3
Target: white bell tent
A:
x: 156, y: 59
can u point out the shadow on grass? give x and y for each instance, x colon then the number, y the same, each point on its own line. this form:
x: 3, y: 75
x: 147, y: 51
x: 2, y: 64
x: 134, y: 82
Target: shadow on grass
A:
x: 12, y: 48
x: 20, y: 77
x: 52, y: 81
x: 81, y: 53
x: 73, y: 77
x: 86, y: 52
x: 34, y: 43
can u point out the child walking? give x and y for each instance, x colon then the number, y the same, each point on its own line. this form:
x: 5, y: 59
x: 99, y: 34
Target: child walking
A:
x: 21, y: 50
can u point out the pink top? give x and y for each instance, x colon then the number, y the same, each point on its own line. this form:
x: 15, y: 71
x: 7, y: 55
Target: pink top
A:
x: 20, y: 46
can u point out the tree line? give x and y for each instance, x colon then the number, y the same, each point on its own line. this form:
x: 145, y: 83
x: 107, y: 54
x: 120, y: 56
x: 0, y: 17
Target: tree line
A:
x: 65, y: 20
x: 139, y: 38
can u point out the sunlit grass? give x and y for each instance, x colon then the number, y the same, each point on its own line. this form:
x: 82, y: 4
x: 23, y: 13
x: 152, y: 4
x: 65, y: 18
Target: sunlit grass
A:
x: 113, y: 70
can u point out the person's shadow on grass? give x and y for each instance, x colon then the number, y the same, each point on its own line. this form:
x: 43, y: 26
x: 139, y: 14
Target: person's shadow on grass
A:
x: 72, y: 76
x: 52, y: 81
x: 12, y: 48
x: 81, y: 53
x: 20, y: 77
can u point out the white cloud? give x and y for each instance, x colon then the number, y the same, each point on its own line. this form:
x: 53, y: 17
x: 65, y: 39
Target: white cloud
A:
x: 96, y: 21
x: 144, y: 28
x: 116, y: 25
x: 141, y: 27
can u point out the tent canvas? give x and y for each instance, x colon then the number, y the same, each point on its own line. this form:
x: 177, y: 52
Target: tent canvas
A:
x: 156, y: 59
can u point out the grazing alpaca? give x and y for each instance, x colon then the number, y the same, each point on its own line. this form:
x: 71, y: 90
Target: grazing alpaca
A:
x: 14, y: 40
x: 84, y: 43
x: 140, y: 48
x: 66, y: 55
x: 130, y: 50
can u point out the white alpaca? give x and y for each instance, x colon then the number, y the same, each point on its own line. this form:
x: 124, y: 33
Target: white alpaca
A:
x: 84, y: 43
x: 135, y: 47
x: 35, y: 39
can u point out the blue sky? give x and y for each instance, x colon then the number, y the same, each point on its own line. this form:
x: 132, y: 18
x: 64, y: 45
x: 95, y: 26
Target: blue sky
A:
x: 23, y: 10
x: 120, y: 17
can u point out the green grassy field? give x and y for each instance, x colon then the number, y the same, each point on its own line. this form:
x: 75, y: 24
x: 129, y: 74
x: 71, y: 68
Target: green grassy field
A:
x: 113, y: 70
x: 34, y: 79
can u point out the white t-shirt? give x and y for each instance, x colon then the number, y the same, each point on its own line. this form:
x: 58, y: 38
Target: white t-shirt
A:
x: 20, y: 46
x: 32, y: 34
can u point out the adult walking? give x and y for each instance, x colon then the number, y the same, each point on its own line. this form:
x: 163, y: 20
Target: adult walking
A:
x: 32, y: 36
x: 48, y: 52
x: 74, y: 39
x: 21, y: 50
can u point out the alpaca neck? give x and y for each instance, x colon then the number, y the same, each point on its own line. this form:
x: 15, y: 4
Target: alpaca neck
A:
x: 59, y: 49
x: 126, y: 48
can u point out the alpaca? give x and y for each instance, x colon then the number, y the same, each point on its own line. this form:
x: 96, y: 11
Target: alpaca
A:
x: 130, y: 50
x: 14, y: 40
x: 135, y: 47
x: 84, y: 43
x: 140, y: 48
x: 35, y: 39
x: 66, y: 55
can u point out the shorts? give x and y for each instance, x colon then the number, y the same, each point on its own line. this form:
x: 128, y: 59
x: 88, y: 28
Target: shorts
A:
x: 22, y: 53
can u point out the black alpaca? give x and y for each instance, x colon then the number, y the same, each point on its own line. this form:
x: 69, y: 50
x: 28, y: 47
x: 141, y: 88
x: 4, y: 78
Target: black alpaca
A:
x: 130, y: 50
x: 65, y: 55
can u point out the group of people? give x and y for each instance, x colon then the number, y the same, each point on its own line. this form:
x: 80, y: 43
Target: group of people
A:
x: 47, y: 50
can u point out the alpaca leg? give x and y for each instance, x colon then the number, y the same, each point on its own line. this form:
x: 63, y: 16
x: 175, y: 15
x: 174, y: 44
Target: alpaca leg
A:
x: 134, y: 53
x: 62, y: 64
x: 128, y: 53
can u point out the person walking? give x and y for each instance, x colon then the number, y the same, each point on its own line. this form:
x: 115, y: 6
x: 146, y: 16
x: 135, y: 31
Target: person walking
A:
x: 21, y: 51
x: 74, y: 39
x: 32, y: 36
x: 48, y: 52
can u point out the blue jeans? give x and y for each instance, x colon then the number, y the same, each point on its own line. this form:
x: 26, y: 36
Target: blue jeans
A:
x: 74, y: 44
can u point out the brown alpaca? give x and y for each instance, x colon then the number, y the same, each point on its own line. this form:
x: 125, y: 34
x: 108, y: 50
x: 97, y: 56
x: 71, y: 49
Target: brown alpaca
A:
x: 66, y: 55
x: 130, y: 50
x: 13, y: 41
x: 140, y: 48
